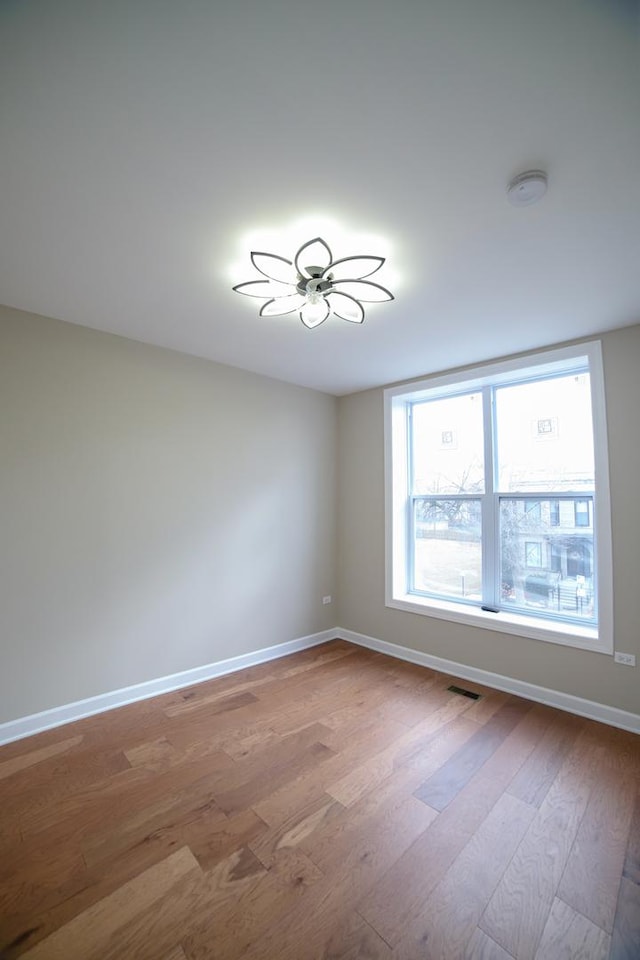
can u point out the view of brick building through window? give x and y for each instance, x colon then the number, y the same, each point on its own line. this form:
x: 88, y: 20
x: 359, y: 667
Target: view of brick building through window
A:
x: 542, y: 481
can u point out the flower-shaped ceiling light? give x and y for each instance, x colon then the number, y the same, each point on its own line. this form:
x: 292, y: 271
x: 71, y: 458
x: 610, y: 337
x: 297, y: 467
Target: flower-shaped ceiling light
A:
x: 315, y: 284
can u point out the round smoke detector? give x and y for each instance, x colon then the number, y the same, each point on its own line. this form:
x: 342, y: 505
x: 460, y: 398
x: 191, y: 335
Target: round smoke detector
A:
x: 527, y: 188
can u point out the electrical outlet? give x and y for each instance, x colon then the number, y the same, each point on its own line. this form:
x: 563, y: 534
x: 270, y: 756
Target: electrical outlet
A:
x: 326, y: 599
x: 628, y: 659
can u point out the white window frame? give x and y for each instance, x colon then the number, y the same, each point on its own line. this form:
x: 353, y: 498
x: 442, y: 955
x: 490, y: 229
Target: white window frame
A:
x: 397, y: 498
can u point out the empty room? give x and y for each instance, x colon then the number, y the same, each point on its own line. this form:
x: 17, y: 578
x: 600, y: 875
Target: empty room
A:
x: 319, y: 480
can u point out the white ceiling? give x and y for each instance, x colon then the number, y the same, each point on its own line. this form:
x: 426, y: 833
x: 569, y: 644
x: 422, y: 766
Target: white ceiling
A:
x: 142, y: 140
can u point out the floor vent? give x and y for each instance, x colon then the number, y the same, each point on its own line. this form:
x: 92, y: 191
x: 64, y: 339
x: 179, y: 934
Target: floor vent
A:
x: 465, y: 693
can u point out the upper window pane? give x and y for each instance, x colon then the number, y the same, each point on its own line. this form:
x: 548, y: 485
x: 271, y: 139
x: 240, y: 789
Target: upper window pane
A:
x: 448, y: 446
x: 545, y: 435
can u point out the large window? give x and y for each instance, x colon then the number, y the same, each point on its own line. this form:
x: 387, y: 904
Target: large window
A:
x: 497, y: 500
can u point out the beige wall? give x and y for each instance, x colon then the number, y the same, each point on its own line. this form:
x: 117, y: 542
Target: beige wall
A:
x: 160, y: 512
x: 157, y: 512
x: 361, y: 552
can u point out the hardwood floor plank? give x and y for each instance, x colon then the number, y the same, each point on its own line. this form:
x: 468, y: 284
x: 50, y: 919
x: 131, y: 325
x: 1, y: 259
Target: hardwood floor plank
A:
x: 271, y: 670
x: 354, y: 939
x: 91, y: 934
x: 362, y: 737
x: 106, y: 803
x: 248, y: 742
x: 503, y: 765
x: 108, y: 800
x: 450, y: 915
x: 306, y: 930
x: 292, y: 868
x: 176, y: 954
x: 252, y: 791
x: 351, y: 829
x: 33, y: 887
x: 213, y: 843
x: 23, y: 761
x: 10, y: 844
x: 482, y: 947
x: 365, y: 777
x: 398, y: 787
x: 366, y: 741
x: 418, y: 871
x: 133, y: 723
x: 297, y: 828
x: 631, y: 866
x: 273, y: 754
x: 285, y: 701
x: 532, y: 782
x: 389, y: 698
x: 319, y: 848
x: 164, y: 921
x: 170, y: 811
x: 57, y: 893
x: 482, y: 710
x: 407, y: 674
x: 215, y: 703
x: 570, y: 936
x: 312, y: 705
x: 625, y: 940
x: 591, y: 877
x: 277, y: 678
x: 243, y: 920
x: 40, y: 788
x: 518, y: 911
x: 199, y: 735
x: 153, y: 755
x: 414, y: 704
x: 443, y: 785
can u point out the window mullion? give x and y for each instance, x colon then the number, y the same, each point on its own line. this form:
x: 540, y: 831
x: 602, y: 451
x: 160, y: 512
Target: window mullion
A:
x: 490, y: 560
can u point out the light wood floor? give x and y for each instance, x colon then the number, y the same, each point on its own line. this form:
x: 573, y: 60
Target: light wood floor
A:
x: 332, y: 804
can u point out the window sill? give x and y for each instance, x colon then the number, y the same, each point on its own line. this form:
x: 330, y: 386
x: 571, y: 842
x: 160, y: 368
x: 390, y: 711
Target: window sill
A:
x: 567, y: 634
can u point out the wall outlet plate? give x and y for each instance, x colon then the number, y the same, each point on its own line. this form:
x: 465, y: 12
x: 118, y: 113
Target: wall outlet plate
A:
x: 326, y: 599
x: 628, y: 659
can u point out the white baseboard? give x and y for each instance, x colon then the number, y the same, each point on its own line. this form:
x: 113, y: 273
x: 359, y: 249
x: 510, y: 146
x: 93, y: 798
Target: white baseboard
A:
x: 57, y: 716
x: 530, y: 691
